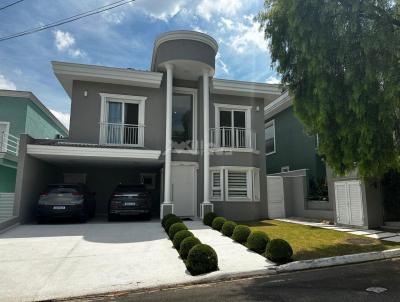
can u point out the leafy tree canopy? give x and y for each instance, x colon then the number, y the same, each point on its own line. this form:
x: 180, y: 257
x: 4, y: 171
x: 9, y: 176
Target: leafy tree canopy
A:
x: 341, y: 62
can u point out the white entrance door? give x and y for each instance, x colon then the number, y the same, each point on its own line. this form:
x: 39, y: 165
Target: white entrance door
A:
x: 276, y: 197
x: 184, y: 188
x: 349, y: 208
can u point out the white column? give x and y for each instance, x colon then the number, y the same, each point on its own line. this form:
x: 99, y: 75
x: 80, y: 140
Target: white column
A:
x: 168, y: 136
x: 206, y: 129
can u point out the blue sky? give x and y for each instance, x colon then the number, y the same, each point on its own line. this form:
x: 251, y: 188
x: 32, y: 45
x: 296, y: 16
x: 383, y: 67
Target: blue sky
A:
x: 123, y: 37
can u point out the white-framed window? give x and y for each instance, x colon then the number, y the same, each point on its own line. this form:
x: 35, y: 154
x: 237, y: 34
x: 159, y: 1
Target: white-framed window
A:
x: 4, y: 131
x: 270, y: 141
x: 149, y: 180
x: 216, y: 184
x: 238, y: 184
x: 184, y: 120
x: 122, y: 119
x: 232, y: 127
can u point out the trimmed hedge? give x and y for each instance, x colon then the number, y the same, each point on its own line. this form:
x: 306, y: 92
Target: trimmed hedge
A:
x: 170, y: 221
x: 209, y: 217
x: 202, y: 259
x: 257, y: 241
x: 175, y: 228
x: 241, y: 233
x: 186, y: 245
x: 165, y: 218
x: 228, y: 227
x: 279, y: 250
x: 178, y: 238
x: 217, y: 223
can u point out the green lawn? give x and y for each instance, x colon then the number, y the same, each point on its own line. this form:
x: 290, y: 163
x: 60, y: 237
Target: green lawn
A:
x: 311, y: 242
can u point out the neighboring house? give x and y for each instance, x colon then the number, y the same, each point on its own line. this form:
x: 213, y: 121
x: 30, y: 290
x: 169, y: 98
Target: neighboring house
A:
x: 292, y: 154
x: 196, y: 141
x: 20, y: 112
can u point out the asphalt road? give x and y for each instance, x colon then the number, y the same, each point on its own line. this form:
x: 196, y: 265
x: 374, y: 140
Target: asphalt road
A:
x: 345, y: 283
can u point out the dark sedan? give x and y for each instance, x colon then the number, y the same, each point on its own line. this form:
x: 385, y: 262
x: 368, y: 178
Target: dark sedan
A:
x: 129, y: 200
x: 66, y: 201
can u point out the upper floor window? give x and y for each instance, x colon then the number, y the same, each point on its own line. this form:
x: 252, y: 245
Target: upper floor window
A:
x: 122, y: 119
x: 184, y: 119
x: 270, y: 137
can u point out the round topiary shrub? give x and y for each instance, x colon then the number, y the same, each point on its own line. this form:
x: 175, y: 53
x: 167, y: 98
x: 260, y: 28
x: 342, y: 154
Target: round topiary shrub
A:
x: 279, y: 251
x: 228, y: 227
x: 178, y: 238
x: 186, y: 245
x: 170, y: 221
x: 217, y: 223
x: 208, y: 218
x: 257, y: 241
x: 241, y: 233
x: 165, y: 218
x: 202, y: 259
x: 175, y: 228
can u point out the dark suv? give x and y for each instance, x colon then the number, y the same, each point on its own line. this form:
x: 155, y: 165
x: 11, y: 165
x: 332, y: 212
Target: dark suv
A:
x: 129, y: 200
x: 66, y: 201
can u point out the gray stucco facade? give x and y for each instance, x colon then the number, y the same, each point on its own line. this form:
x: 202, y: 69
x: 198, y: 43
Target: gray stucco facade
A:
x: 105, y: 166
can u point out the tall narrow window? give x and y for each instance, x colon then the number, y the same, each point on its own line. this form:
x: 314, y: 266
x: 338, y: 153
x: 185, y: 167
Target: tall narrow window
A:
x: 216, y: 185
x: 232, y: 132
x: 182, y: 121
x: 270, y: 138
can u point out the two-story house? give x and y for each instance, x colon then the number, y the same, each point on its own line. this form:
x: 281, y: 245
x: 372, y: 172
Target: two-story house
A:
x: 195, y: 140
x: 20, y: 112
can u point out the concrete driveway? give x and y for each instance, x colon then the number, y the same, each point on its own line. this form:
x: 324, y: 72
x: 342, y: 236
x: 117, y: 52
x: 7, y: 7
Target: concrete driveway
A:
x: 40, y: 262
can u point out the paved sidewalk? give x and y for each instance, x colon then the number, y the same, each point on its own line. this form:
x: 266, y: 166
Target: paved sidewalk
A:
x: 382, y: 235
x: 232, y: 256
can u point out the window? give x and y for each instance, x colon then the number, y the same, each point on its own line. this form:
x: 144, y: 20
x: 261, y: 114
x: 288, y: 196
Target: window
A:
x: 122, y: 119
x: 183, y: 119
x: 270, y: 137
x: 216, y: 185
x: 237, y: 185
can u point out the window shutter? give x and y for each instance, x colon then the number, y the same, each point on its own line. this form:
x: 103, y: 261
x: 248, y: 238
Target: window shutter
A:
x: 216, y: 187
x: 237, y: 185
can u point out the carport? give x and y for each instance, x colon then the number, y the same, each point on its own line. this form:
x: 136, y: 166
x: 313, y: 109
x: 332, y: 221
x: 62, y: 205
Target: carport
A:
x: 102, y: 169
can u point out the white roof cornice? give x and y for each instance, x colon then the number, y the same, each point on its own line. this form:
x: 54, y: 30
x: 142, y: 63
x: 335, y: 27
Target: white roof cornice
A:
x: 66, y: 73
x: 281, y: 103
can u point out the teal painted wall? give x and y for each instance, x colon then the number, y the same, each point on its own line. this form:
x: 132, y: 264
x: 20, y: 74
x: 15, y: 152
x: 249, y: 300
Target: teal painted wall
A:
x: 14, y: 112
x: 39, y: 125
x: 294, y: 148
x: 7, y: 179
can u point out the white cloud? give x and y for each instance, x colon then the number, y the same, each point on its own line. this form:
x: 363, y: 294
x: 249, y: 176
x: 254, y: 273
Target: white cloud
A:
x: 63, y: 117
x: 208, y: 8
x: 273, y: 80
x: 6, y: 83
x: 247, y: 35
x: 222, y: 64
x: 65, y: 41
x: 114, y: 17
x: 162, y: 10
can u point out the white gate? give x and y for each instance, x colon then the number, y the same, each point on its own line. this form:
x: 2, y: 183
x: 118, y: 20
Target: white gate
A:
x: 349, y: 208
x: 276, y: 197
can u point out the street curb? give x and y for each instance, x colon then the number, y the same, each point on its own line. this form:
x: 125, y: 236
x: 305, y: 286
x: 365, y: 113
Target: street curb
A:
x: 335, y: 261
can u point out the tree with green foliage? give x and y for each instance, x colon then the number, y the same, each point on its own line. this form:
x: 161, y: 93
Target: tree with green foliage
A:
x: 340, y: 60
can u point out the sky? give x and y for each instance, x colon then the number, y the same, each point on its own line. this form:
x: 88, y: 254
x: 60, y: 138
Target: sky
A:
x: 124, y: 37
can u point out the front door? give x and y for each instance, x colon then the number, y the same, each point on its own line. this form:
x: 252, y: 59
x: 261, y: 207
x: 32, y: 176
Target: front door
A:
x: 232, y: 125
x: 184, y: 188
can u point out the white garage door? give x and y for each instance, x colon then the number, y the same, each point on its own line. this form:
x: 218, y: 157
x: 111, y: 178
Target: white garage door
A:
x: 349, y: 208
x: 276, y: 197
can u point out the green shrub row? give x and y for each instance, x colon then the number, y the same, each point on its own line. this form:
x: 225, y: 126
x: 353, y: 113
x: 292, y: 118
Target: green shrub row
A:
x: 276, y: 250
x: 199, y: 258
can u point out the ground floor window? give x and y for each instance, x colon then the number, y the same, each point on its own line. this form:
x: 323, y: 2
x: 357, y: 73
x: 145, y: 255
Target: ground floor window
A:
x: 235, y: 183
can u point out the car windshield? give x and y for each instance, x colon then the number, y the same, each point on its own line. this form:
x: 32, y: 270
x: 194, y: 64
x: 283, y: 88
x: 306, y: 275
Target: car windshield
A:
x: 130, y: 189
x: 58, y: 189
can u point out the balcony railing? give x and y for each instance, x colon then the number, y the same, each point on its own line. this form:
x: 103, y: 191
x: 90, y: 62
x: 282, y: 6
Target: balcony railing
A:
x: 121, y: 134
x: 232, y: 137
x: 9, y: 143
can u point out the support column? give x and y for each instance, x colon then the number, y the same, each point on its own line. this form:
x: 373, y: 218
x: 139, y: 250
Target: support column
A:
x: 206, y: 205
x: 167, y: 206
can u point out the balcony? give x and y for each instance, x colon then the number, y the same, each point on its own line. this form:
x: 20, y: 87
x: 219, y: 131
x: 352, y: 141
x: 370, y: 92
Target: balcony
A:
x: 232, y: 138
x: 9, y: 143
x: 121, y: 134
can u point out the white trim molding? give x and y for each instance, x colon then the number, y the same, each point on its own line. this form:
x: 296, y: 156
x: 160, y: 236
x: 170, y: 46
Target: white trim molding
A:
x: 249, y: 89
x: 66, y: 73
x: 281, y: 103
x: 89, y: 152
